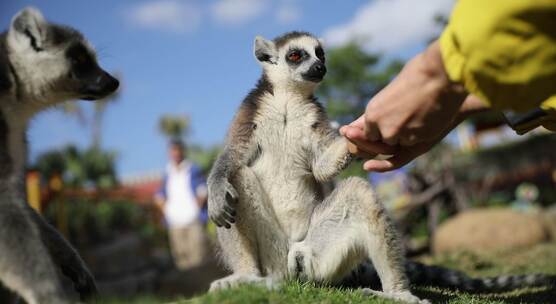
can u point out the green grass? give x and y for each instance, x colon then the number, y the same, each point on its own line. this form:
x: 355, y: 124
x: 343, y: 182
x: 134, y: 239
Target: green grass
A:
x: 541, y: 258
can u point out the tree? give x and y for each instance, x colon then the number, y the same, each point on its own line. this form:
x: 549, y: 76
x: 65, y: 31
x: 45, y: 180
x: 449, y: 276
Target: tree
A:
x: 79, y: 168
x: 174, y: 126
x: 354, y: 76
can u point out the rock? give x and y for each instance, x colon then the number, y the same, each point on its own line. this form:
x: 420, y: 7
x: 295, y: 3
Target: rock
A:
x: 489, y: 230
x: 549, y: 219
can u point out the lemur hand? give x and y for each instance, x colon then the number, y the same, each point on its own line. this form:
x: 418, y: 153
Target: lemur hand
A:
x: 221, y: 204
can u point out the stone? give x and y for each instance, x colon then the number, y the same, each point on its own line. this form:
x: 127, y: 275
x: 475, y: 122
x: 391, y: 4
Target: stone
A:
x: 489, y: 230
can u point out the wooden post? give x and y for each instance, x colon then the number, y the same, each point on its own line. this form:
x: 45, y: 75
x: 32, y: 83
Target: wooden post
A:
x: 56, y: 184
x: 33, y: 185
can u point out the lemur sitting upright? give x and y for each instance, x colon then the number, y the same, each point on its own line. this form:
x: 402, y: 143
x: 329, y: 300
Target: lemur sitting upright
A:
x: 265, y: 193
x: 279, y: 151
x: 41, y: 64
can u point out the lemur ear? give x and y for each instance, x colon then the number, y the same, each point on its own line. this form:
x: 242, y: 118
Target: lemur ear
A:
x: 321, y: 41
x: 265, y: 50
x: 29, y: 25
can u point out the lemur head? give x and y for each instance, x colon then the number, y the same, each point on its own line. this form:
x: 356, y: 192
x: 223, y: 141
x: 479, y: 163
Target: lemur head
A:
x: 294, y: 59
x: 54, y: 63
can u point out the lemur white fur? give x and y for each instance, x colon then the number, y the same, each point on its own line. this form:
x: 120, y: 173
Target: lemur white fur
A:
x: 41, y: 64
x: 279, y: 151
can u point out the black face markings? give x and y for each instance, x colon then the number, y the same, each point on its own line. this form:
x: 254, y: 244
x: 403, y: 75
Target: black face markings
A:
x: 316, y: 72
x: 315, y: 125
x: 92, y: 82
x: 319, y: 52
x: 296, y: 56
x: 82, y: 61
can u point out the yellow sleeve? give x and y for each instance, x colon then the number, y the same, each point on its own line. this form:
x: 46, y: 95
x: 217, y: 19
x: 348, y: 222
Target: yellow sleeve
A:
x: 504, y: 52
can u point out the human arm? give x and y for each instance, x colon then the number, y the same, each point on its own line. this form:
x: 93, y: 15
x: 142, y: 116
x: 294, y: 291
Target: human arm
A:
x: 505, y: 58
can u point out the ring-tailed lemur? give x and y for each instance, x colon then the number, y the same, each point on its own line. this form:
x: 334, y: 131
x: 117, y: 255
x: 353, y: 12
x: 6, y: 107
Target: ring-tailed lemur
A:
x: 41, y: 64
x: 279, y: 151
x: 265, y: 193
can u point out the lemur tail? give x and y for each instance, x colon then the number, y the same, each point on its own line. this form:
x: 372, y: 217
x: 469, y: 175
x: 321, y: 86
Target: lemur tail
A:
x: 424, y: 275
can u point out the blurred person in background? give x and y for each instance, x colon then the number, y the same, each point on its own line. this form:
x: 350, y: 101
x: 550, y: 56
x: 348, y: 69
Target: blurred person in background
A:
x: 494, y: 54
x: 182, y: 199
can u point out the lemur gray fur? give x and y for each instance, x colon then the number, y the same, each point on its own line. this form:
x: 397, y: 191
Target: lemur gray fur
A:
x: 41, y: 64
x: 265, y: 193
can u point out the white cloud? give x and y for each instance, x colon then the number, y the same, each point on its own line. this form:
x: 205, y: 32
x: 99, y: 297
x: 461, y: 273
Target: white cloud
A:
x: 166, y: 15
x: 287, y: 14
x: 390, y: 25
x: 235, y: 12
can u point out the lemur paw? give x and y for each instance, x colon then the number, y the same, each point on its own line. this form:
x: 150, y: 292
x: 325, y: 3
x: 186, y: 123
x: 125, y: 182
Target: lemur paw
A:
x: 83, y: 281
x: 236, y: 280
x: 221, y: 204
x: 402, y: 296
x: 299, y: 264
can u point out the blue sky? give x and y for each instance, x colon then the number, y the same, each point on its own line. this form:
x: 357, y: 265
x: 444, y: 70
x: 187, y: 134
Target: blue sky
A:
x: 195, y: 58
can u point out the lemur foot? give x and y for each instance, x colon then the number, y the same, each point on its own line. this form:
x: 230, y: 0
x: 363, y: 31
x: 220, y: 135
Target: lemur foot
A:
x: 221, y: 204
x: 403, y: 296
x: 236, y: 280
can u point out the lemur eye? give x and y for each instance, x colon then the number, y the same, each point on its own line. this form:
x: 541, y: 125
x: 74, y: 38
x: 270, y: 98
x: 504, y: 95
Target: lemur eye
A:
x: 294, y: 56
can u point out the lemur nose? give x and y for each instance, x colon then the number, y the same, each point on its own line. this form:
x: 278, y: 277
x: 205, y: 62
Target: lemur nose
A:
x: 320, y: 67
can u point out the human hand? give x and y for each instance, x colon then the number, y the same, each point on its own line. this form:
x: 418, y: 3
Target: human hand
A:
x: 417, y: 106
x: 401, y: 155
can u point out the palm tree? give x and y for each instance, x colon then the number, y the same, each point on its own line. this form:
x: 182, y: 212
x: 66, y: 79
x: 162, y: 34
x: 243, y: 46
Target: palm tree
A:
x: 174, y: 126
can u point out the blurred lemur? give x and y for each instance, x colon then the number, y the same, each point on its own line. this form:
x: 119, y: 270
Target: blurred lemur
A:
x: 265, y: 193
x: 41, y: 64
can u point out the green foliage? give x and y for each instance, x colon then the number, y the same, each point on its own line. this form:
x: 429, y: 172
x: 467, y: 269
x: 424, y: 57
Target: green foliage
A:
x: 354, y: 169
x: 91, y: 222
x: 541, y: 258
x: 174, y: 126
x: 292, y: 292
x: 99, y: 167
x: 51, y: 163
x: 204, y: 157
x: 80, y: 168
x: 353, y: 77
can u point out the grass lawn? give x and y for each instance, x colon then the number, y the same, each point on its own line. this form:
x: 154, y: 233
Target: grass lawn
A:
x: 541, y: 258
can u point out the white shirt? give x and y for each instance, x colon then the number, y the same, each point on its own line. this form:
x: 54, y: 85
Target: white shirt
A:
x: 181, y: 208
